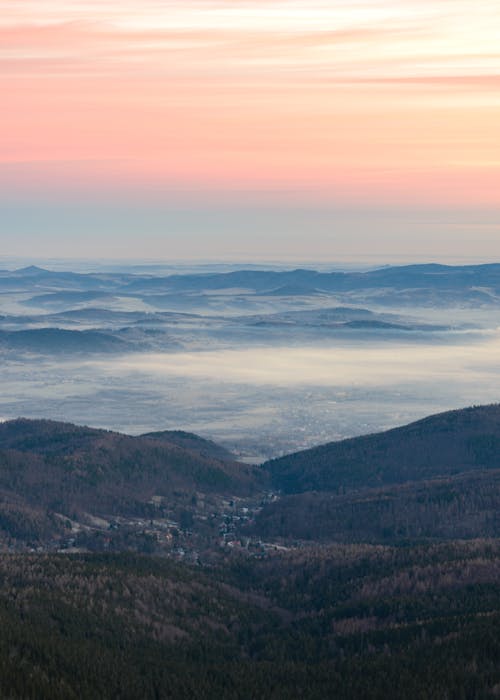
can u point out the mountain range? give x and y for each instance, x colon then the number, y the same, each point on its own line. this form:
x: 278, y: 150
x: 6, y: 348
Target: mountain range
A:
x: 50, y: 312
x: 474, y: 282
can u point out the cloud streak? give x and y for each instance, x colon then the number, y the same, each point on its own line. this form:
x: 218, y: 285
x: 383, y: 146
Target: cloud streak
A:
x: 356, y: 103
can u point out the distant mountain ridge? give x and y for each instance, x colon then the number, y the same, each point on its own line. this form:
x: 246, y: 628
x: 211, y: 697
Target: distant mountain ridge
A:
x: 60, y: 340
x: 405, y: 276
x: 295, y: 280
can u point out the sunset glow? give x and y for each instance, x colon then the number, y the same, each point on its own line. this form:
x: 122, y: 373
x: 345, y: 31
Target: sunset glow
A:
x: 352, y: 104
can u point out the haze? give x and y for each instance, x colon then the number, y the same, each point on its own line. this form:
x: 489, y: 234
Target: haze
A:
x: 262, y: 360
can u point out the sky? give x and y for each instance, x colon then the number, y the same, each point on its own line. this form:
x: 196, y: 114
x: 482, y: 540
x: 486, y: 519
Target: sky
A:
x: 250, y: 130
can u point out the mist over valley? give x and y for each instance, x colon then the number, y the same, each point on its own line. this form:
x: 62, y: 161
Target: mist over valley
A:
x: 262, y: 360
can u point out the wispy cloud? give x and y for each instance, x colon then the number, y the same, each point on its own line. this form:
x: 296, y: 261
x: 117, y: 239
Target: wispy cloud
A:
x: 364, y: 100
x: 353, y: 39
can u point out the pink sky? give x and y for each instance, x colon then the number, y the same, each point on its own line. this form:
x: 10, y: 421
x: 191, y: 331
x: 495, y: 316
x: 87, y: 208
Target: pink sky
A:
x: 356, y: 103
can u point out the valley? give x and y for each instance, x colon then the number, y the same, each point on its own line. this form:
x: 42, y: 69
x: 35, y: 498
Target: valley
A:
x: 250, y: 484
x: 264, y: 361
x: 69, y: 488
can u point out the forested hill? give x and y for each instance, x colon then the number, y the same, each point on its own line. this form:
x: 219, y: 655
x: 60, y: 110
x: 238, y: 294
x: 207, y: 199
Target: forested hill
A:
x: 47, y: 463
x: 237, y: 617
x: 444, y: 444
x: 192, y: 442
x: 356, y: 621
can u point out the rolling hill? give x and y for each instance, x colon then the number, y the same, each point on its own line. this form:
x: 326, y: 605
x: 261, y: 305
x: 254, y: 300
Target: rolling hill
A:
x: 445, y: 444
x: 332, y: 617
x: 437, y: 478
x: 51, y: 470
x: 463, y: 506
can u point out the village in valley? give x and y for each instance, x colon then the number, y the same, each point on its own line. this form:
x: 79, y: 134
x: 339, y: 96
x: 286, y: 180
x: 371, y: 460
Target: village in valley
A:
x: 204, y: 526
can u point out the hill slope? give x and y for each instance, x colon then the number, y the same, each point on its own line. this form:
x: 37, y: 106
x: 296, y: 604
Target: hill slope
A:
x: 466, y: 506
x: 49, y: 469
x: 194, y: 443
x: 80, y: 459
x: 444, y: 444
x: 347, y: 622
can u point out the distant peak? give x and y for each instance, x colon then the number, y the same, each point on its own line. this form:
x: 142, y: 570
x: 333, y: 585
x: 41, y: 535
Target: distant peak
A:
x: 31, y: 270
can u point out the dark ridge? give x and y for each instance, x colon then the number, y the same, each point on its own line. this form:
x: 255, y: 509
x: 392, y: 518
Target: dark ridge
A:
x: 462, y: 506
x: 448, y: 443
x: 69, y: 468
x: 31, y: 270
x: 59, y: 340
x: 192, y: 442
